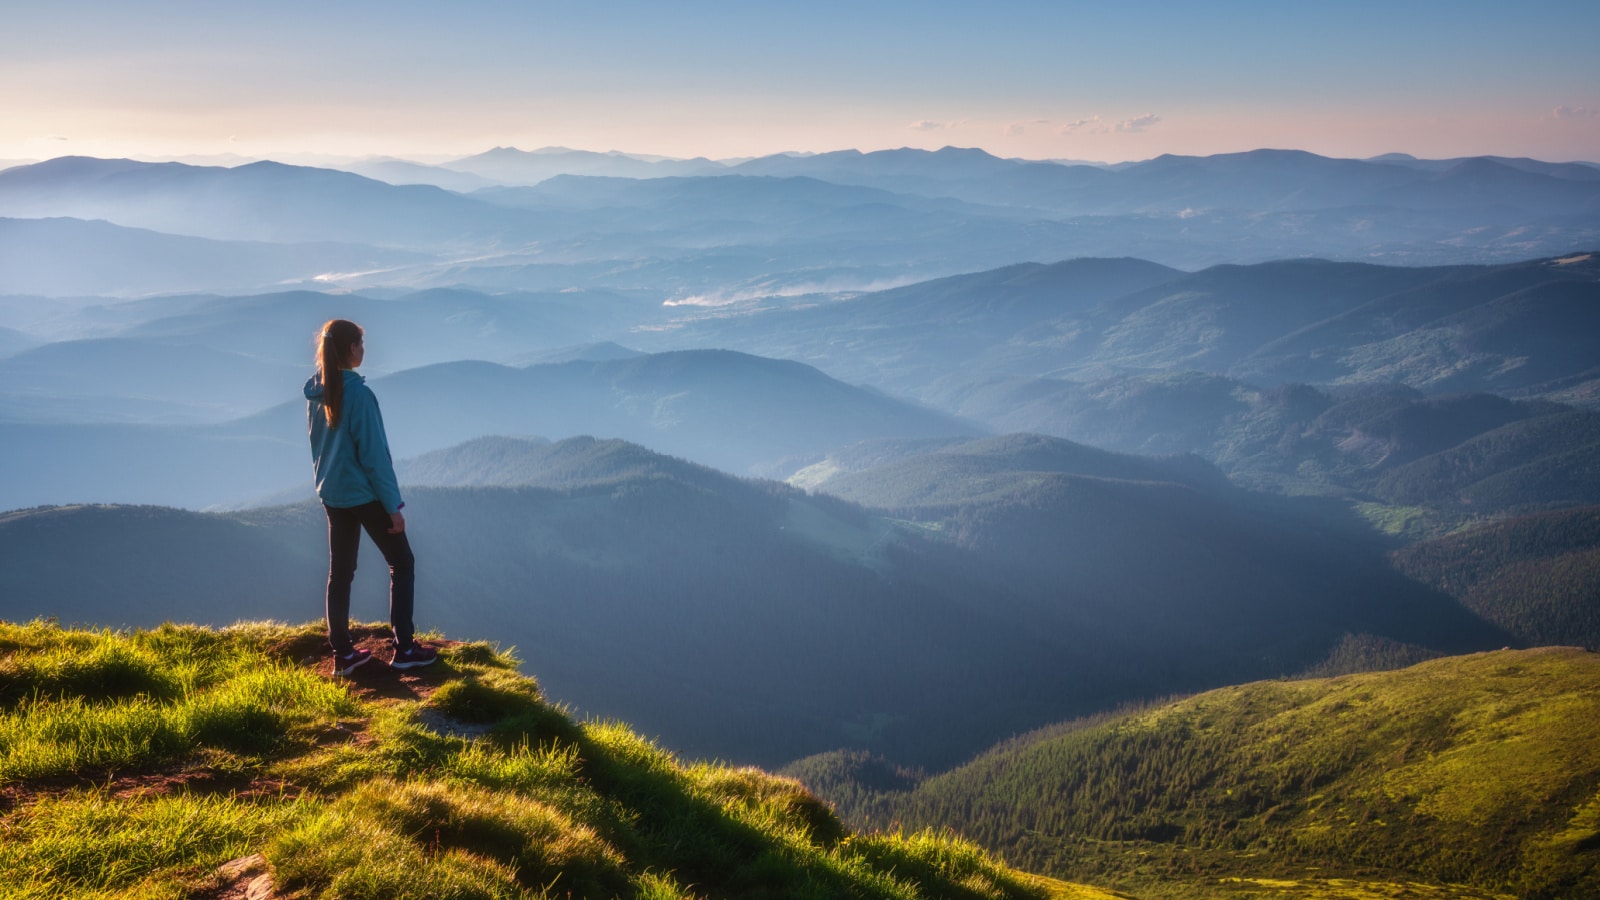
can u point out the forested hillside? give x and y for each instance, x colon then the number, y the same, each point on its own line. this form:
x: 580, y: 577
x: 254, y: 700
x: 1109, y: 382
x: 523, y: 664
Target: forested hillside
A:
x: 1538, y: 577
x: 1480, y: 771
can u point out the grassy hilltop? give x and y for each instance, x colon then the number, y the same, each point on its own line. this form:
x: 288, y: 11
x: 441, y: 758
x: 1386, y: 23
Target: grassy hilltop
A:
x: 1471, y: 776
x: 186, y: 762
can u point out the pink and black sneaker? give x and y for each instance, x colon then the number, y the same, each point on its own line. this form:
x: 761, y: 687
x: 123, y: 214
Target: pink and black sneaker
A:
x: 345, y: 663
x: 414, y: 656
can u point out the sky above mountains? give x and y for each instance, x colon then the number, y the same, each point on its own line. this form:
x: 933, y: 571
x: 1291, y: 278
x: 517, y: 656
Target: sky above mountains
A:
x: 1044, y: 80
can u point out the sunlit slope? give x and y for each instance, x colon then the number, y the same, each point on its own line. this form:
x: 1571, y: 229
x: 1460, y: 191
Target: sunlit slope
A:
x: 141, y: 764
x: 1482, y: 770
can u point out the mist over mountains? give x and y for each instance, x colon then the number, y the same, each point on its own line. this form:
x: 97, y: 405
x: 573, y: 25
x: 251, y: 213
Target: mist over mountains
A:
x: 1041, y: 438
x: 668, y: 593
x: 778, y: 225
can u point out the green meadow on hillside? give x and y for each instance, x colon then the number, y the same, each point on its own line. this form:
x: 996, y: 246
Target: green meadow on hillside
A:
x: 185, y: 762
x: 1471, y: 776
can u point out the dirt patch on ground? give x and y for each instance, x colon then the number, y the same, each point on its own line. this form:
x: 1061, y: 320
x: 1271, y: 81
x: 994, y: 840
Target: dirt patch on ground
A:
x: 375, y: 680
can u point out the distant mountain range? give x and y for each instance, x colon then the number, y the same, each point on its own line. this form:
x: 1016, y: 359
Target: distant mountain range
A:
x: 263, y: 201
x: 1284, y: 374
x: 726, y: 409
x: 508, y: 165
x: 1519, y: 326
x: 779, y: 225
x: 749, y: 620
x: 87, y: 258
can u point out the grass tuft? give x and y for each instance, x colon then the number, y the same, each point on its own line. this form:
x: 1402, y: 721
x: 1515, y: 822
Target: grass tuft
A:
x: 216, y: 744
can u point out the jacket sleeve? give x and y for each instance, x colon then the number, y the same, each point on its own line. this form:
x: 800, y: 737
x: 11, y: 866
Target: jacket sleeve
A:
x: 372, y: 449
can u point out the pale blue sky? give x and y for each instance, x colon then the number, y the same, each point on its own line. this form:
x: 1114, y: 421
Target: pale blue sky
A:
x: 1035, y: 79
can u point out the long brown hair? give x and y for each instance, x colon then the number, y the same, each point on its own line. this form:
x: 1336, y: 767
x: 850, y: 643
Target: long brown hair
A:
x: 333, y: 356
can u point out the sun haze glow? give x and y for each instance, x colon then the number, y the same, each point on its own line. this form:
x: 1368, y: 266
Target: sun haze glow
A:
x: 1034, y: 79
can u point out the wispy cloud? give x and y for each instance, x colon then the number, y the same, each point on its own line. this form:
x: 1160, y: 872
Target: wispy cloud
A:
x: 840, y: 285
x: 930, y: 125
x: 1138, y: 123
x: 1574, y: 112
x: 1097, y: 125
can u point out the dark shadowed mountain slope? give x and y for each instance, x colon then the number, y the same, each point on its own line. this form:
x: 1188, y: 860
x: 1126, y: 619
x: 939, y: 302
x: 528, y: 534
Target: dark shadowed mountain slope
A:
x: 1448, y: 459
x: 1212, y: 319
x: 1468, y: 777
x: 1465, y: 328
x: 1538, y: 577
x: 751, y: 621
x: 1544, y: 460
x: 72, y: 257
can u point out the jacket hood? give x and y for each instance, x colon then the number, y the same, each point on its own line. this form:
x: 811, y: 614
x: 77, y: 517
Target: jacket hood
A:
x: 314, y: 383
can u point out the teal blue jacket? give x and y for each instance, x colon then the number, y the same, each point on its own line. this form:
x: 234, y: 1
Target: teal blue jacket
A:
x: 351, y: 462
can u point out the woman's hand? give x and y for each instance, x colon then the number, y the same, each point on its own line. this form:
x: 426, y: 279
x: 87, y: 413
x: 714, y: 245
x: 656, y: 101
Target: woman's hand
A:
x: 399, y: 523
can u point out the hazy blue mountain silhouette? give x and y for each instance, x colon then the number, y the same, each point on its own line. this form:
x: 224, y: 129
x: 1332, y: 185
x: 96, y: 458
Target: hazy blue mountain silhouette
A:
x: 729, y: 410
x: 15, y: 341
x: 264, y: 201
x: 599, y: 351
x: 834, y: 222
x: 905, y: 338
x: 404, y: 171
x: 413, y: 329
x: 73, y: 257
x: 233, y: 384
x: 1263, y: 180
x: 1576, y: 171
x: 508, y: 165
x: 1453, y: 328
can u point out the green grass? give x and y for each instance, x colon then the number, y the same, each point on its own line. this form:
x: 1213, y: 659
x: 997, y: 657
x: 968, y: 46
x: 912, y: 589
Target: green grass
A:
x: 1474, y: 776
x: 132, y: 764
x: 1407, y: 522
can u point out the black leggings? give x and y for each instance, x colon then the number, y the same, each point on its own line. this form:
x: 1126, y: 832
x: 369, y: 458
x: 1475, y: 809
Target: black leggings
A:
x: 344, y: 539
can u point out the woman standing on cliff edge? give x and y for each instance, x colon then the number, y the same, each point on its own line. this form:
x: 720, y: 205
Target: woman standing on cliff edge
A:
x: 356, y: 482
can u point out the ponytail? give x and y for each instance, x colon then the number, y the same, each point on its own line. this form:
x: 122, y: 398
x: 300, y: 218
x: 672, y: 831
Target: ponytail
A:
x: 333, y: 356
